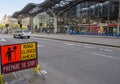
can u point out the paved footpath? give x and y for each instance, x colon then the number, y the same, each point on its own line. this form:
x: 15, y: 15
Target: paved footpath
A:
x: 96, y: 40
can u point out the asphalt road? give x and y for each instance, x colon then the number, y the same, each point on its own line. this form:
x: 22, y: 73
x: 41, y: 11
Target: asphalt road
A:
x: 70, y: 63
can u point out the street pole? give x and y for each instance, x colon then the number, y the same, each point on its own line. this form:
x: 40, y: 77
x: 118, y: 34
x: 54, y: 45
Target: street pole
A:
x: 118, y: 29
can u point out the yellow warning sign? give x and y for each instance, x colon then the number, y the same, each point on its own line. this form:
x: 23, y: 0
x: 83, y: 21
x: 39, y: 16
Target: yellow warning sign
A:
x: 28, y: 51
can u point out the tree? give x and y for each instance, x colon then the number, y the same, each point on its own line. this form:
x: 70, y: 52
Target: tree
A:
x: 1, y: 26
x: 24, y: 27
x: 15, y: 26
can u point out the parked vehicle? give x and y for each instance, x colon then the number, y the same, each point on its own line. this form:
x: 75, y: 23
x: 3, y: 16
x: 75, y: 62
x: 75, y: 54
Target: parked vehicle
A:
x: 22, y: 33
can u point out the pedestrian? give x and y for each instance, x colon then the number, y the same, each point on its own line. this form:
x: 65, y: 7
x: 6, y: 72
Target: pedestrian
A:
x: 6, y: 28
x: 36, y: 28
x: 29, y: 27
x: 48, y: 31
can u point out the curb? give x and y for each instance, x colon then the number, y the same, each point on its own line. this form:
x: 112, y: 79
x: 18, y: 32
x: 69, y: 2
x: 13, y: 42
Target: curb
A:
x: 79, y: 42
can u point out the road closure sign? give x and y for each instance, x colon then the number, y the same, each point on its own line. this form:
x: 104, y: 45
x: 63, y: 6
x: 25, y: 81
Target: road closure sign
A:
x: 17, y: 57
x: 28, y: 51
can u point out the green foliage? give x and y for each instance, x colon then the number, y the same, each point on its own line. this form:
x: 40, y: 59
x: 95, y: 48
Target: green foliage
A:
x: 15, y: 26
x: 24, y: 27
x: 1, y: 26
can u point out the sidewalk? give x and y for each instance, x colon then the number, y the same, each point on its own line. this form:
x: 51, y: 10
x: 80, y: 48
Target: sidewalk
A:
x: 96, y: 40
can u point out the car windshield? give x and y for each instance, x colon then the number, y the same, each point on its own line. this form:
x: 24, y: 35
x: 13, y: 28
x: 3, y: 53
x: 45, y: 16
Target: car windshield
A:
x: 26, y: 31
x: 18, y: 31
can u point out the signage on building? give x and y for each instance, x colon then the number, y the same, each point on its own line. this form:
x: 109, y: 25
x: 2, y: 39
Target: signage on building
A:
x: 17, y: 57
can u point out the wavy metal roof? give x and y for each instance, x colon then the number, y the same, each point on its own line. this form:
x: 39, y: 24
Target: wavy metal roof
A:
x: 25, y: 10
x: 32, y: 9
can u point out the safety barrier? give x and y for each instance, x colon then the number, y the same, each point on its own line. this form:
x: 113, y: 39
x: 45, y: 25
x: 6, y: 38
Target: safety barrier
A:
x: 94, y: 34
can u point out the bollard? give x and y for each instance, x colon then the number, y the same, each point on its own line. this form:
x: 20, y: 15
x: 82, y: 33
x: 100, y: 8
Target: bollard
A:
x: 1, y: 79
x: 37, y: 69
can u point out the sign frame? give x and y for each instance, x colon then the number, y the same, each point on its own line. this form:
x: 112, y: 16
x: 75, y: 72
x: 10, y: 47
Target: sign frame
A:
x: 17, y: 65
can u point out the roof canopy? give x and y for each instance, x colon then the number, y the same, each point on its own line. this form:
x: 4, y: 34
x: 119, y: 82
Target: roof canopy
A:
x: 32, y: 9
x: 24, y: 11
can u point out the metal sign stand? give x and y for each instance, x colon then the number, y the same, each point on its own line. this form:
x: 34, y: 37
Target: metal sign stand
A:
x: 37, y: 71
x: 1, y: 79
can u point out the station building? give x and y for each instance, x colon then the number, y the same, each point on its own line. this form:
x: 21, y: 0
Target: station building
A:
x: 85, y: 17
x: 93, y: 18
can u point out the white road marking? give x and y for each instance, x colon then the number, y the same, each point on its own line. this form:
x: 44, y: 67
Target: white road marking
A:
x: 108, y: 50
x: 2, y: 40
x: 39, y: 46
x: 102, y: 55
x: 70, y: 44
x: 15, y: 75
x: 101, y: 49
x: 89, y: 47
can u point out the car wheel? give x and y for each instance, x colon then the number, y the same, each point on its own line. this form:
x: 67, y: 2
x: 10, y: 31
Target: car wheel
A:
x: 14, y: 36
x: 28, y: 36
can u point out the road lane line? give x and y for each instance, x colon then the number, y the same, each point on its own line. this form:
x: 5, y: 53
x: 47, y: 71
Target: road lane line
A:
x: 89, y: 47
x: 101, y: 49
x: 70, y: 44
x: 102, y: 55
x: 108, y: 50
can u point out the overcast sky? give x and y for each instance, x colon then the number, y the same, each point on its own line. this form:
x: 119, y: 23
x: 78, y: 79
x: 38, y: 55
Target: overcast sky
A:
x: 8, y: 7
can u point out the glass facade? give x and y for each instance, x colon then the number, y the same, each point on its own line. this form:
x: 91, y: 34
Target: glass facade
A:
x: 93, y: 18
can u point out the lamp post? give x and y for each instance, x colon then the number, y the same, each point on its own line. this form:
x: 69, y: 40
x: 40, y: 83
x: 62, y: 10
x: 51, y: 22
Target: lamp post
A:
x: 118, y: 28
x: 20, y: 17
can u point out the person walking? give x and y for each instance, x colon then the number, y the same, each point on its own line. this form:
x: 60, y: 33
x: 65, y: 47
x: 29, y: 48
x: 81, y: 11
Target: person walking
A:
x: 48, y: 31
x: 6, y: 28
